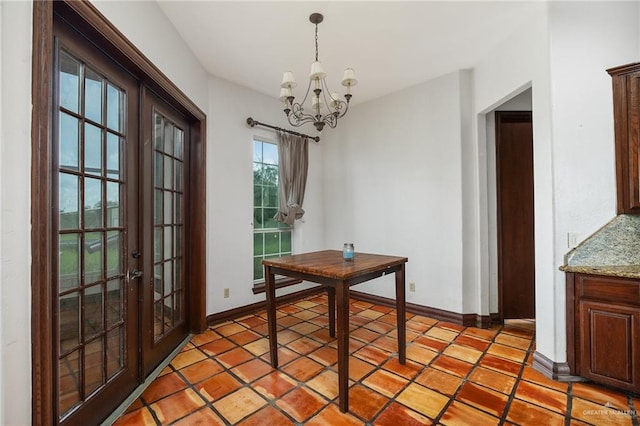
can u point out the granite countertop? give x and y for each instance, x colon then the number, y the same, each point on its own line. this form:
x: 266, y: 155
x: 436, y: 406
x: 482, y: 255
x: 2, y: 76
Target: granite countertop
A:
x: 623, y: 271
x: 613, y: 250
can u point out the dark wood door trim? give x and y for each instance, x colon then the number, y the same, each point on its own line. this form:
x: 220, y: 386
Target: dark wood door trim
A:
x: 84, y: 16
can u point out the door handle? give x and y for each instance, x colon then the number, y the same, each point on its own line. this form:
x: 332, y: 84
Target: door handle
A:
x: 136, y: 273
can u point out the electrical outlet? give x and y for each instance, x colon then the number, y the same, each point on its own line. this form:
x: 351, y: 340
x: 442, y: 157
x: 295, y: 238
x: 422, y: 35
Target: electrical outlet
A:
x: 226, y: 293
x: 412, y: 286
x: 572, y: 239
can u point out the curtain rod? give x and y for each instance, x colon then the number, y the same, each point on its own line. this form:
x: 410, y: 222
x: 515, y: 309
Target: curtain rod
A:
x: 251, y: 122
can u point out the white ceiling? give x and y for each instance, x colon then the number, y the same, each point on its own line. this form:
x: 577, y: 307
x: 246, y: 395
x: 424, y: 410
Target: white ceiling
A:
x: 391, y: 45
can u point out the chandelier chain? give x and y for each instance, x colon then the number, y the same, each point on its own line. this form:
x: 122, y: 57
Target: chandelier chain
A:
x: 316, y: 42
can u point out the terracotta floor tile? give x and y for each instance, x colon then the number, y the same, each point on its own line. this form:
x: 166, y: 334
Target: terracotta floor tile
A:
x: 524, y: 413
x: 372, y: 355
x: 531, y: 375
x: 206, y: 337
x: 304, y: 345
x: 141, y: 416
x: 229, y: 329
x: 386, y: 343
x: 379, y: 327
x: 452, y: 365
x: 600, y: 395
x: 386, y: 383
x: 163, y: 386
x: 251, y: 370
x: 251, y: 321
x: 423, y: 400
x: 493, y: 380
x: 541, y: 396
x: 274, y: 384
x: 217, y: 347
x: 365, y: 402
x: 303, y: 369
x: 433, y: 344
x: 459, y: 414
x: 472, y: 342
x: 420, y: 354
x: 204, y: 416
x: 240, y: 404
x: 286, y: 336
x: 304, y: 328
x: 305, y: 315
x: 289, y: 321
x: 284, y: 356
x: 301, y: 403
x: 184, y: 359
x: 483, y: 398
x: 500, y: 364
x: 218, y: 386
x: 325, y: 355
x: 481, y: 333
x: 450, y: 326
x: 439, y: 380
x: 305, y: 304
x: 442, y: 334
x: 396, y: 415
x: 463, y: 353
x: 326, y: 384
x: 518, y: 331
x: 331, y: 415
x: 389, y: 319
x: 258, y: 347
x: 267, y: 416
x: 234, y: 357
x: 507, y: 352
x: 201, y: 370
x: 461, y: 376
x: 177, y: 405
x: 359, y: 368
x: 514, y: 341
x: 244, y: 337
x: 409, y: 370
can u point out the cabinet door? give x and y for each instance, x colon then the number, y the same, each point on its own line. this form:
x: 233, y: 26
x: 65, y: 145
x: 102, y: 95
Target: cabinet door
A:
x: 610, y: 344
x: 626, y: 112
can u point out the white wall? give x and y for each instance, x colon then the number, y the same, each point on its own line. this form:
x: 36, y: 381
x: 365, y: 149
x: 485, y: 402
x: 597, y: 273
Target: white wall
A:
x: 586, y: 39
x: 230, y: 192
x: 15, y: 152
x: 393, y: 185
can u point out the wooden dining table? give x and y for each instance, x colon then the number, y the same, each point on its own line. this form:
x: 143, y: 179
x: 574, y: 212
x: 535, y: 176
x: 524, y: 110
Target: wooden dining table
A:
x: 329, y: 269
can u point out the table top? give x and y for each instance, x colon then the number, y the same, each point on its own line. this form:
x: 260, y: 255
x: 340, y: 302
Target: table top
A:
x: 330, y: 264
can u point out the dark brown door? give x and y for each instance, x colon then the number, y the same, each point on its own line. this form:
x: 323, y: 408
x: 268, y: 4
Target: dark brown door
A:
x: 96, y: 230
x: 164, y: 199
x: 516, y: 256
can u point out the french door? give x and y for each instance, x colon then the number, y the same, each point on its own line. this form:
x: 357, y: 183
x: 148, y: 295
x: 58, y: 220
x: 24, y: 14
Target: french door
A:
x: 120, y: 190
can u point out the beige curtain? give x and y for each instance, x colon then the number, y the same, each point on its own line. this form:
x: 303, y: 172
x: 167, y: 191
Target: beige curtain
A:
x: 293, y: 159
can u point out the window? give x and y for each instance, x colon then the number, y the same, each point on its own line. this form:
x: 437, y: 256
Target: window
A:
x: 270, y: 238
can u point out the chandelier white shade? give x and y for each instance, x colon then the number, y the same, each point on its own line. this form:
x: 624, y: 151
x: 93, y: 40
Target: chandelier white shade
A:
x: 326, y: 106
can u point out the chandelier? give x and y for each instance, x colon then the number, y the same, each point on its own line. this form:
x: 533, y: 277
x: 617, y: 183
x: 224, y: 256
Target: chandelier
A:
x: 326, y: 106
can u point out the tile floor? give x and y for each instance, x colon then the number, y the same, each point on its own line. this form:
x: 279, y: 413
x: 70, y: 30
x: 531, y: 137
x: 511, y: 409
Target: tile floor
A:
x: 453, y: 376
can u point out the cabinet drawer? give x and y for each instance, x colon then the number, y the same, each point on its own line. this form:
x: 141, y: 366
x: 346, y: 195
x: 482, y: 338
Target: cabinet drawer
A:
x: 608, y: 289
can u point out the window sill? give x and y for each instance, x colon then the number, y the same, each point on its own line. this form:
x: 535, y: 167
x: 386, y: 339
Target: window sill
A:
x: 261, y: 287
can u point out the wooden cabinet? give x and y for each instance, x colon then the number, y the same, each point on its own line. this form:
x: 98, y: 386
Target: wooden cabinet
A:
x: 603, y: 320
x: 626, y: 113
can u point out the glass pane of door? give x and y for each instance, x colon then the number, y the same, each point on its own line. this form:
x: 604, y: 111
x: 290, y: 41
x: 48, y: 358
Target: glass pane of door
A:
x: 91, y: 274
x: 168, y: 288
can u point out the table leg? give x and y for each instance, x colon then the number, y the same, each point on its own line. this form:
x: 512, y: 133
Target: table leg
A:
x: 269, y: 281
x: 401, y: 315
x: 342, y: 299
x: 331, y: 295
